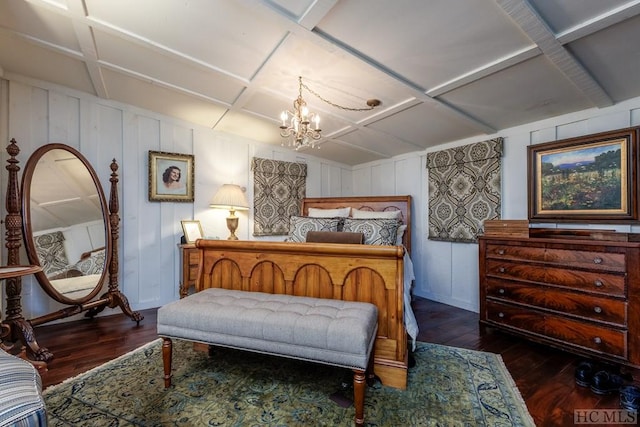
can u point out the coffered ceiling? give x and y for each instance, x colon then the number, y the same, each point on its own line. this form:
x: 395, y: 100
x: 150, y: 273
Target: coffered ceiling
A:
x: 443, y: 69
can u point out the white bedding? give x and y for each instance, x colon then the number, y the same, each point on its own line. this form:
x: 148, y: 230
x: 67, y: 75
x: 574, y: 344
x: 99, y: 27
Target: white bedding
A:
x: 410, y: 322
x: 76, y: 284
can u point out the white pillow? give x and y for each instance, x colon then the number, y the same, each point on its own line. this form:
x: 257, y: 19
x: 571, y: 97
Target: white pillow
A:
x: 329, y: 213
x: 356, y: 213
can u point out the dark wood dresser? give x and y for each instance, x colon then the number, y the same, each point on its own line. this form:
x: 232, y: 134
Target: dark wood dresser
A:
x: 578, y: 294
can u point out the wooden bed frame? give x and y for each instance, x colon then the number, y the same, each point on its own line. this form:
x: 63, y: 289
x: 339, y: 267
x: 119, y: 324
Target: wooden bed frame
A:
x: 350, y: 272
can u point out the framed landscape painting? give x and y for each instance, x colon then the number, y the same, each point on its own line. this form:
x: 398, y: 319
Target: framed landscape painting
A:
x: 592, y: 178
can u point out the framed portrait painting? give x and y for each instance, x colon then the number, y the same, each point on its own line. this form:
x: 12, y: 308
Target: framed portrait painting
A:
x: 171, y: 177
x: 592, y: 179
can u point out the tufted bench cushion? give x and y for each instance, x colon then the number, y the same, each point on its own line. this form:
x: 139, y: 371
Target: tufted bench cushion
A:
x: 21, y: 401
x: 332, y: 332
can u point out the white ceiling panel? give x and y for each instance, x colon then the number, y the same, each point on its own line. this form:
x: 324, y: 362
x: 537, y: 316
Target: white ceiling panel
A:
x: 231, y: 35
x: 162, y: 67
x: 20, y: 56
x: 41, y: 23
x: 425, y: 126
x: 500, y: 101
x: 426, y: 42
x: 343, y: 153
x: 160, y: 99
x: 566, y: 14
x: 606, y: 54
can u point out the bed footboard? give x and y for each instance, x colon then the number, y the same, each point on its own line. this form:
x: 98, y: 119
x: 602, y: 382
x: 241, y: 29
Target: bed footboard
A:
x: 337, y: 271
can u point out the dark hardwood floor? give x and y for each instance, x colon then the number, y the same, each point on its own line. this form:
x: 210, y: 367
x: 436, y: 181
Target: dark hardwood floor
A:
x: 543, y: 375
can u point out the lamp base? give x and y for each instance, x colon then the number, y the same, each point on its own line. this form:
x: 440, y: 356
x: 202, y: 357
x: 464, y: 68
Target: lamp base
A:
x: 232, y: 225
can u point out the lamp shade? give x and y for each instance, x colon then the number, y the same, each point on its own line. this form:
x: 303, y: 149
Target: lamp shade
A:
x: 231, y: 197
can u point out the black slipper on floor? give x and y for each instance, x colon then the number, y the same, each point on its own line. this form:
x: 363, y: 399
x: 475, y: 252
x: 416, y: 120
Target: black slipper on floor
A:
x: 584, y: 373
x: 604, y: 382
x: 630, y: 398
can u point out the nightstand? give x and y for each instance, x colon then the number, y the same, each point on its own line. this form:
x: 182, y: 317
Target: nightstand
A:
x: 189, y: 260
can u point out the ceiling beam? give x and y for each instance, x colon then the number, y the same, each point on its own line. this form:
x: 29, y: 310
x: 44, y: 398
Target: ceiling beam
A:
x: 84, y: 35
x: 537, y: 30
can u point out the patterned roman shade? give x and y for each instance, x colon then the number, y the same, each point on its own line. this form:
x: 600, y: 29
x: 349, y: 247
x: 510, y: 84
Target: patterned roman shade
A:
x: 278, y: 190
x: 464, y: 190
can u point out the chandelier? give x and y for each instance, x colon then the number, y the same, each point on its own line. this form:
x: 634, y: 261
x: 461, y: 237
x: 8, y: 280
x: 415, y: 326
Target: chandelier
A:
x: 300, y: 128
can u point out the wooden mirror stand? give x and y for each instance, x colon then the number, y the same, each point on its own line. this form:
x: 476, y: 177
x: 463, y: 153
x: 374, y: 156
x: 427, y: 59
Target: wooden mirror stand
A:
x: 21, y: 328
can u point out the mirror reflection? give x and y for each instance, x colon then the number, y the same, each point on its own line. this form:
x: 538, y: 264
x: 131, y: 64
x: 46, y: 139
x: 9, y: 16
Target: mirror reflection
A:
x: 67, y: 223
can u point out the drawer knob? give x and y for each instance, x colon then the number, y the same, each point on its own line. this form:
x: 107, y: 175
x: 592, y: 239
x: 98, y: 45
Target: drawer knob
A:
x: 597, y: 340
x: 500, y: 251
x: 501, y: 291
x: 597, y: 260
x: 501, y: 269
x: 597, y: 309
x: 598, y: 283
x: 501, y: 315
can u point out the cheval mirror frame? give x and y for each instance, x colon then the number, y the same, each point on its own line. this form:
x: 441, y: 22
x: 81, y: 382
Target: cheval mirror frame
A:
x: 19, y: 226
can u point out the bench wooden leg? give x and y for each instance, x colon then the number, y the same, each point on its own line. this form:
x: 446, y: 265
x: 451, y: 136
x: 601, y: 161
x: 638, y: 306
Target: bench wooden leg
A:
x: 358, y: 395
x: 167, y: 353
x: 371, y: 375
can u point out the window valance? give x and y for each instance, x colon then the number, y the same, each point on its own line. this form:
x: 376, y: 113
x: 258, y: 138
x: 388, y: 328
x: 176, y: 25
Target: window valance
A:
x: 278, y: 190
x: 464, y: 190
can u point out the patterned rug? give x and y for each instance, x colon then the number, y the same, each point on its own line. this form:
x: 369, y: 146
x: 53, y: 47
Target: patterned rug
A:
x: 447, y: 386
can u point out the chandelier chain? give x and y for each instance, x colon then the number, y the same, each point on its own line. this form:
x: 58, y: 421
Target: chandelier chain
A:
x: 316, y: 94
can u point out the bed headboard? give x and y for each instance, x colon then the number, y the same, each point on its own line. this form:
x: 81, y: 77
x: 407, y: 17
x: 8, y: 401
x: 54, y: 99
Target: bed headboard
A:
x: 369, y: 203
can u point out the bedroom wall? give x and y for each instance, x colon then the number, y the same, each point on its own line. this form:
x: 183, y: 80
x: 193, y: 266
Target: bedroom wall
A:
x: 448, y: 272
x: 36, y: 113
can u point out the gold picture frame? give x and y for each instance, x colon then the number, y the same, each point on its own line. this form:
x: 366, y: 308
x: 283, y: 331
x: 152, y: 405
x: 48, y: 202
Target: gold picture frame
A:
x: 192, y: 230
x: 591, y: 179
x: 171, y: 177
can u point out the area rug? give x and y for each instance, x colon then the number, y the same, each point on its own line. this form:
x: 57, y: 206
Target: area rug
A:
x: 447, y: 387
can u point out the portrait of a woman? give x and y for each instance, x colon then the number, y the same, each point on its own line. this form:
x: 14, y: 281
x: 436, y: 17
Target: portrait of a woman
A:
x: 170, y: 177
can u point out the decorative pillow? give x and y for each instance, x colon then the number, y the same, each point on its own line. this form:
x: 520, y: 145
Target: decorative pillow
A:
x: 93, y: 264
x: 329, y: 213
x: 51, y: 253
x: 335, y: 237
x: 300, y: 225
x: 376, y: 231
x: 356, y: 213
x: 72, y: 272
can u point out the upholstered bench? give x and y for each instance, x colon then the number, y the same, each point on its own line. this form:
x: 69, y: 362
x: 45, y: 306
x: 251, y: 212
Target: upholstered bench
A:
x: 327, y: 331
x: 21, y: 401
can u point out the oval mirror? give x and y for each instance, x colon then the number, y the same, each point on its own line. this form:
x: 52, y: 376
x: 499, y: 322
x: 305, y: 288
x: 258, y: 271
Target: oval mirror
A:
x: 65, y: 223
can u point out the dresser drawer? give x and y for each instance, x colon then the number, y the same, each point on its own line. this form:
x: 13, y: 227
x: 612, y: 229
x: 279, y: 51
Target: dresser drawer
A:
x: 592, y: 281
x: 614, y: 262
x: 515, y: 317
x: 514, y: 270
x: 599, y: 338
x: 587, y: 259
x: 572, y: 303
x: 608, y: 340
x: 521, y: 253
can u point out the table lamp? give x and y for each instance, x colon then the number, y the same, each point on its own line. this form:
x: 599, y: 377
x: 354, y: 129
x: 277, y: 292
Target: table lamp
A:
x: 231, y: 197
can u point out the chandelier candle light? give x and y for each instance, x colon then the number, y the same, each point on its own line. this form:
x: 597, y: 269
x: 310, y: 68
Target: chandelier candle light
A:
x: 297, y: 127
x: 231, y: 197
